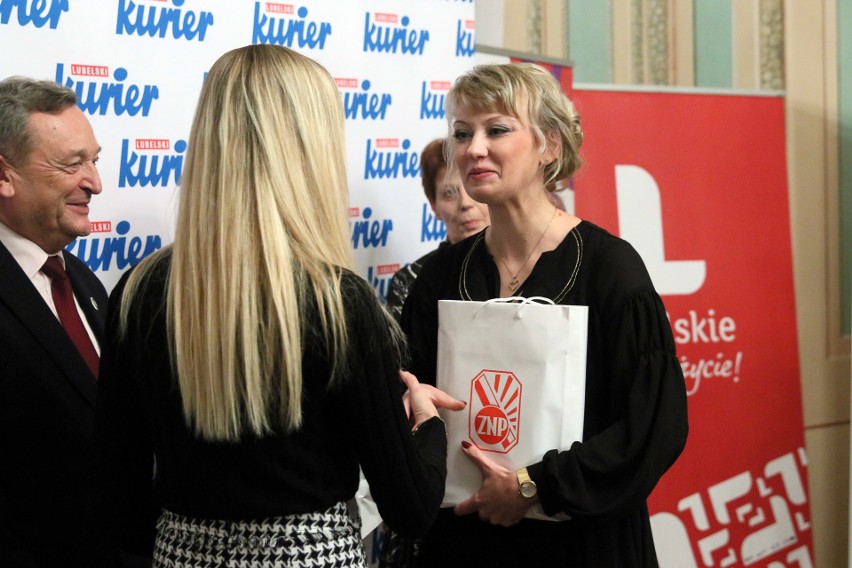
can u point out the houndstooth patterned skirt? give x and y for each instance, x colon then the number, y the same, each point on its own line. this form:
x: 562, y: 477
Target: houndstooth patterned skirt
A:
x: 326, y: 539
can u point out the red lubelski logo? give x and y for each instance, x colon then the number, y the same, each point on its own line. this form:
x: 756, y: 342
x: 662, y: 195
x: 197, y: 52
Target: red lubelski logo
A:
x: 495, y: 410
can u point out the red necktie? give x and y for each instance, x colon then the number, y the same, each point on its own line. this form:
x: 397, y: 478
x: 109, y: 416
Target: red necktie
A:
x: 63, y: 299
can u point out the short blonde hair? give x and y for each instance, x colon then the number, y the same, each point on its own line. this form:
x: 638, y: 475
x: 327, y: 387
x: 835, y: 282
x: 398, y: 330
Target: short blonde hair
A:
x: 531, y: 94
x: 261, y: 236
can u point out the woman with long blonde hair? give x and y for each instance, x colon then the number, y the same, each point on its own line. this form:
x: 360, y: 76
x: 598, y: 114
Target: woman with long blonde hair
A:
x: 246, y: 365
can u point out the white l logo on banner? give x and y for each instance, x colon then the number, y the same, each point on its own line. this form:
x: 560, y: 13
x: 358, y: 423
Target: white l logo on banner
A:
x: 640, y: 222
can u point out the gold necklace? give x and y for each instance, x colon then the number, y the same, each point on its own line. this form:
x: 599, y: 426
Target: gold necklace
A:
x: 514, y: 282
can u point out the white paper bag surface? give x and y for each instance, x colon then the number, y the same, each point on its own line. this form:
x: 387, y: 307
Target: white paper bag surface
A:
x: 367, y: 509
x: 522, y: 369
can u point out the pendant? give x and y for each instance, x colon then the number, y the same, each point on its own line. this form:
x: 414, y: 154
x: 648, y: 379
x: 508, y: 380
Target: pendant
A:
x: 513, y: 285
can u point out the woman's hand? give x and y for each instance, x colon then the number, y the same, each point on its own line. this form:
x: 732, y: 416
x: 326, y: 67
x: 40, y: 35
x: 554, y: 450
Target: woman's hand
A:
x: 498, y: 500
x: 423, y: 401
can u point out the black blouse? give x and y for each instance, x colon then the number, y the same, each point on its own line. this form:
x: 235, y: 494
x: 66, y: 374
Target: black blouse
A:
x: 635, y: 411
x: 402, y: 280
x: 149, y: 459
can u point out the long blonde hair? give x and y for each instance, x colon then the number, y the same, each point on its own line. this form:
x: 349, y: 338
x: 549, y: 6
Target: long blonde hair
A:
x: 261, y: 234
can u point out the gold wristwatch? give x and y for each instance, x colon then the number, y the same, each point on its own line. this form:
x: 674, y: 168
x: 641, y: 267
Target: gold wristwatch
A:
x: 526, y: 486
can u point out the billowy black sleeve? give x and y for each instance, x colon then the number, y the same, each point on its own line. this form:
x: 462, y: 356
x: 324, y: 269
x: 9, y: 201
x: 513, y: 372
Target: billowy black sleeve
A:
x: 406, y: 471
x: 636, y: 401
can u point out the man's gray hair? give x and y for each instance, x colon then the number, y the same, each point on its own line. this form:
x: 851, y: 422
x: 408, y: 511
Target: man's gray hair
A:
x: 19, y: 97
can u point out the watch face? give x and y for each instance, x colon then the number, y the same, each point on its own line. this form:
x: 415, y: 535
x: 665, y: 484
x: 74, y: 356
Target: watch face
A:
x: 528, y: 489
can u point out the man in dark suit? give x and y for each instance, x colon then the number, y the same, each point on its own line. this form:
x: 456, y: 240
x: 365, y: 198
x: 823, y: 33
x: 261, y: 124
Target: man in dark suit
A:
x: 48, y: 384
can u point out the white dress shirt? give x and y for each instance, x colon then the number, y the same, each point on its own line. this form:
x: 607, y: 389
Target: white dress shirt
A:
x: 31, y: 258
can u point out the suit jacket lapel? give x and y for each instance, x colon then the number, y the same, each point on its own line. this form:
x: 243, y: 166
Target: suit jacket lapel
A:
x: 23, y: 300
x: 93, y: 306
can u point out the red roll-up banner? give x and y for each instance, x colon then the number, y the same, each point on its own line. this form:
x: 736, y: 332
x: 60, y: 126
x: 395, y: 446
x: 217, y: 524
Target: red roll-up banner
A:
x: 697, y: 184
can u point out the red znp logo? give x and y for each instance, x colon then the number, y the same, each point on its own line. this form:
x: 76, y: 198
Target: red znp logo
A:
x: 495, y: 411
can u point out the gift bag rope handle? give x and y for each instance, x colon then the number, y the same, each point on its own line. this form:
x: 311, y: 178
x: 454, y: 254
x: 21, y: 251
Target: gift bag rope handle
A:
x: 520, y: 301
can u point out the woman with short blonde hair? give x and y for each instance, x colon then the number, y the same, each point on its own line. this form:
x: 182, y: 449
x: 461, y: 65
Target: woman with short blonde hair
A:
x: 526, y: 91
x: 513, y: 134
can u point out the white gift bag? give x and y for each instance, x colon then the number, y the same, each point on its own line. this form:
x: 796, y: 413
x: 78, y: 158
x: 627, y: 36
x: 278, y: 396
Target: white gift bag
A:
x: 521, y: 366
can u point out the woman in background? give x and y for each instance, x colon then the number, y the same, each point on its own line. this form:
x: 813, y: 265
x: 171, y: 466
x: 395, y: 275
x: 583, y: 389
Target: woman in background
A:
x: 513, y: 135
x: 449, y: 201
x: 246, y: 366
